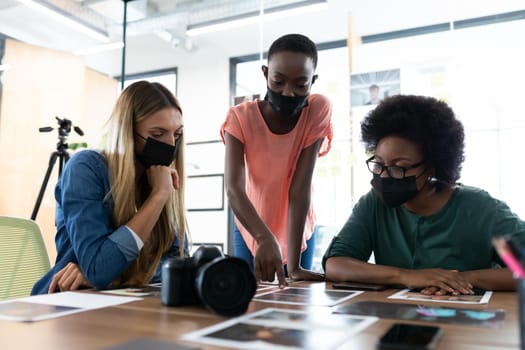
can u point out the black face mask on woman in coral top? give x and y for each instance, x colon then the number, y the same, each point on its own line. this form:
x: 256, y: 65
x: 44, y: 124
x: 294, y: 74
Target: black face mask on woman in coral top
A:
x: 286, y: 106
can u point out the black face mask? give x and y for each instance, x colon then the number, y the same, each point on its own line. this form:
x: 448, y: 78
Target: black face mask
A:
x: 394, y: 192
x: 158, y: 153
x: 286, y: 106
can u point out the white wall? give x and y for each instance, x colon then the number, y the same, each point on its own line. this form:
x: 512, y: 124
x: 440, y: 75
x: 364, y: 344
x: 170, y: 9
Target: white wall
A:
x: 203, y: 89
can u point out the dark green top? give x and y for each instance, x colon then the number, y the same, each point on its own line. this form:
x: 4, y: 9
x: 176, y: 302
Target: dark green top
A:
x: 459, y: 236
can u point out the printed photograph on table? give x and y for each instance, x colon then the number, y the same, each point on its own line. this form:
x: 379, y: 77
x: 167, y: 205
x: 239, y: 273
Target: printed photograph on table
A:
x: 479, y: 297
x: 282, y: 329
x: 45, y: 306
x: 306, y: 296
x: 413, y: 312
x: 314, y: 319
x: 26, y: 312
x: 150, y: 343
x: 262, y: 287
x: 150, y: 290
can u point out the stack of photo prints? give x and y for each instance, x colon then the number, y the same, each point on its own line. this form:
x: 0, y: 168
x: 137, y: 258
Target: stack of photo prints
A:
x: 327, y: 324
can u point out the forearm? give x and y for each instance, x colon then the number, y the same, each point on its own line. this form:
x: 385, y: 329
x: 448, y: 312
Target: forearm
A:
x: 144, y: 220
x: 297, y: 211
x: 299, y: 196
x: 341, y: 268
x: 245, y: 212
x: 491, y: 279
x: 115, y: 254
x: 102, y: 268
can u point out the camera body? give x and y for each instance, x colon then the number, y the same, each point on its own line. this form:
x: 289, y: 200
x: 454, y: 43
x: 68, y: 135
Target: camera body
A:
x: 64, y: 126
x: 224, y: 285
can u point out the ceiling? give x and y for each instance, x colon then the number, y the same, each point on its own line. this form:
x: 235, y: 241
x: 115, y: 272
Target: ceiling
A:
x: 165, y: 19
x: 158, y: 27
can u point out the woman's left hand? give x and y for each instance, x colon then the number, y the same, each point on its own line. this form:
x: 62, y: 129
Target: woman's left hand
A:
x: 305, y: 275
x: 438, y: 291
x: 69, y: 278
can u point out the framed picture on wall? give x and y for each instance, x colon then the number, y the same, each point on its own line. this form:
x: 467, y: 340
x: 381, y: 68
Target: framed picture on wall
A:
x: 204, y: 158
x: 205, y: 192
x: 372, y: 87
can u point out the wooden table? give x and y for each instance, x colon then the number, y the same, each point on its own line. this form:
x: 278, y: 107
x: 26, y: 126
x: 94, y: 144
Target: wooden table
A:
x: 108, y: 327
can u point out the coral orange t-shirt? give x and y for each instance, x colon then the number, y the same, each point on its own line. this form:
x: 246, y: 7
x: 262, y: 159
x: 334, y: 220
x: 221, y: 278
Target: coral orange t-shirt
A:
x: 271, y: 160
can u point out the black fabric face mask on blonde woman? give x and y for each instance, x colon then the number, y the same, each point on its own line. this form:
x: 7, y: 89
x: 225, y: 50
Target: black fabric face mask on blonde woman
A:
x: 157, y: 152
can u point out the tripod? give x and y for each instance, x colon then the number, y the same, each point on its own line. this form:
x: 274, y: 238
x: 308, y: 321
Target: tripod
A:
x: 60, y: 153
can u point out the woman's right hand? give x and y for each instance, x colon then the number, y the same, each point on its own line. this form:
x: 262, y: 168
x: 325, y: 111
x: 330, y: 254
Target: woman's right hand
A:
x: 163, y: 180
x: 69, y: 278
x: 437, y: 281
x: 268, y: 261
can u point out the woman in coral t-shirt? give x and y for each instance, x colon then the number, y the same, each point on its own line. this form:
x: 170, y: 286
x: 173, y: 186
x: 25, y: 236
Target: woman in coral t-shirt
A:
x: 271, y: 149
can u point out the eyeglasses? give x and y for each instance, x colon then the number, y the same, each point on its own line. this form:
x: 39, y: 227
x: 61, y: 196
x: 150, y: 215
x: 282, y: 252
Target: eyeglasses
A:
x: 394, y: 171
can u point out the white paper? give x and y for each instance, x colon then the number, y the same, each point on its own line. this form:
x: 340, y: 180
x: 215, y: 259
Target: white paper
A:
x: 45, y: 306
x: 406, y: 294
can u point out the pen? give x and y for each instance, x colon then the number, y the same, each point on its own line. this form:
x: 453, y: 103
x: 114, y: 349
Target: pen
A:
x: 508, y: 258
x: 515, y: 249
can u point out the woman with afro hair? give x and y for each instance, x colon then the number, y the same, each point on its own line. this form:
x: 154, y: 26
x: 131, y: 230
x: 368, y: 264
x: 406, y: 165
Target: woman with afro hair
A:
x: 426, y: 231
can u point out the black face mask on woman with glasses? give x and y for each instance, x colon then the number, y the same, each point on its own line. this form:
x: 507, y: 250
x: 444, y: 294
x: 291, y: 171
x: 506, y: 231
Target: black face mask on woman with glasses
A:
x: 394, y: 192
x: 158, y: 153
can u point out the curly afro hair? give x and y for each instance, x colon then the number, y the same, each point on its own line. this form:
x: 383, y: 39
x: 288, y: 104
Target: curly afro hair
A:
x: 424, y: 121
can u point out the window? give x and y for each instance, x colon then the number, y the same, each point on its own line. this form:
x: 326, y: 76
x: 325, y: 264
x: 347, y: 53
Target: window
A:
x: 477, y: 70
x: 166, y: 77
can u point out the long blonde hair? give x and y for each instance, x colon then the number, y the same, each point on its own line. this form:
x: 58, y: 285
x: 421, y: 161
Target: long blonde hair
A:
x: 136, y: 103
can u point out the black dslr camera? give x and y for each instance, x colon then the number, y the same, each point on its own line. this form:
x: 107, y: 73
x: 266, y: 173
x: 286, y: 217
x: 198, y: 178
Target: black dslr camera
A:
x: 225, y: 285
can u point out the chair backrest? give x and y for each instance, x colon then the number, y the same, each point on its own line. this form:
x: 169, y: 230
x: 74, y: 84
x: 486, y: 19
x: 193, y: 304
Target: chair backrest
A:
x: 23, y: 256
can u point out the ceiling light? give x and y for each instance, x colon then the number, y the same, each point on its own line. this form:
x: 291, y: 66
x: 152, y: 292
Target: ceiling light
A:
x: 63, y: 17
x: 100, y: 48
x: 253, y: 17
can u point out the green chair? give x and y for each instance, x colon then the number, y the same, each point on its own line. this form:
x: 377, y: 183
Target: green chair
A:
x: 23, y: 256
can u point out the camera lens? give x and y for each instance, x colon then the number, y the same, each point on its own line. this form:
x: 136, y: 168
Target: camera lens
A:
x: 226, y: 286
